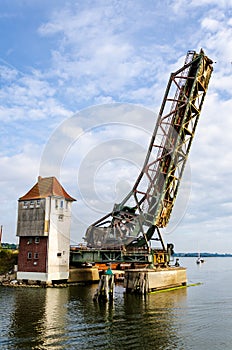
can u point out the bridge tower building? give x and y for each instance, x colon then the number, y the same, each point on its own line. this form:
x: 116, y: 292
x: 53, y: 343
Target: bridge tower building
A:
x: 43, y: 228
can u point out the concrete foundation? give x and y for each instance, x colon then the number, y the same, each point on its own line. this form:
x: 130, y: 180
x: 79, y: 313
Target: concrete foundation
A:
x: 88, y: 275
x: 147, y: 280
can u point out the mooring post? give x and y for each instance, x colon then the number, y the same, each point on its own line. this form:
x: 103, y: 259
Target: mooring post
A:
x: 105, y: 290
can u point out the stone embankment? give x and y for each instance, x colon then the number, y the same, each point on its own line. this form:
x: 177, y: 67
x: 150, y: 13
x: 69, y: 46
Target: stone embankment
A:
x: 9, y: 280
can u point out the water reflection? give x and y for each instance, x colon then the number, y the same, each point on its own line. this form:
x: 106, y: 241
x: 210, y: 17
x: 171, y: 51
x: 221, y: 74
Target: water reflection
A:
x: 130, y: 322
x: 55, y: 318
x: 27, y: 319
x: 68, y: 318
x: 38, y: 318
x: 151, y: 322
x: 190, y: 319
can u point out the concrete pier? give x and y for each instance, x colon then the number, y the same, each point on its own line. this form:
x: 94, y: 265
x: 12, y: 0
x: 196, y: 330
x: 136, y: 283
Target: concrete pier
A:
x: 84, y: 274
x: 143, y: 281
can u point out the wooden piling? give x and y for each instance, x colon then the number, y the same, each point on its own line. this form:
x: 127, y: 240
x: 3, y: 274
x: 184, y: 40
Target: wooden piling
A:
x: 105, y: 290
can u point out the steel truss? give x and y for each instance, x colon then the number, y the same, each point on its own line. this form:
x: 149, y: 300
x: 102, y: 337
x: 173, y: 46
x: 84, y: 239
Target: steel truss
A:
x: 148, y: 206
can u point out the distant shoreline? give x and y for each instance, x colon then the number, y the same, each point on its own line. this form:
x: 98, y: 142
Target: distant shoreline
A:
x: 204, y: 255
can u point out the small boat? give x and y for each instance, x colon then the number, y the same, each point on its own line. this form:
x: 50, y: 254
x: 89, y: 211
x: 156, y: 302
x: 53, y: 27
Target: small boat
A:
x: 199, y: 259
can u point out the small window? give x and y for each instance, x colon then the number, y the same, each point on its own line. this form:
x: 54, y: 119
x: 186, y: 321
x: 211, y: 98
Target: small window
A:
x: 62, y: 204
x: 66, y: 205
x: 61, y: 217
x: 29, y: 255
x: 36, y: 255
x: 59, y: 254
x: 37, y: 240
x: 32, y: 204
x: 29, y: 241
x: 25, y: 204
x: 56, y: 203
x: 38, y: 203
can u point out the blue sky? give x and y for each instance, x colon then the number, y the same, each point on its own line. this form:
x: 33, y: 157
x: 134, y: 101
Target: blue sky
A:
x: 64, y: 65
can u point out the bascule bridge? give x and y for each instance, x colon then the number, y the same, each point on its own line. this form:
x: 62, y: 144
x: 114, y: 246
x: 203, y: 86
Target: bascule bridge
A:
x: 124, y: 234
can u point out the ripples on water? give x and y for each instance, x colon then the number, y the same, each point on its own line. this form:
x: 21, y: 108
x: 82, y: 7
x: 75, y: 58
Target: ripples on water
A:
x: 193, y: 318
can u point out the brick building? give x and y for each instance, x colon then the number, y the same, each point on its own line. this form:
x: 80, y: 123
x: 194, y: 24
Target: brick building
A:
x: 44, y: 218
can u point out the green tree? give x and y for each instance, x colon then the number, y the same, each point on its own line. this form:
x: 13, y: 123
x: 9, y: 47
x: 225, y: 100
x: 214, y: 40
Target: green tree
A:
x: 8, y: 259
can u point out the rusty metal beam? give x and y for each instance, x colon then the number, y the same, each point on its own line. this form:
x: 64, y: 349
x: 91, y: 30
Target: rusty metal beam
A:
x: 165, y: 160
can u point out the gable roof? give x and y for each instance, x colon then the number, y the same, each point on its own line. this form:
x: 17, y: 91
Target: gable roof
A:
x: 46, y: 187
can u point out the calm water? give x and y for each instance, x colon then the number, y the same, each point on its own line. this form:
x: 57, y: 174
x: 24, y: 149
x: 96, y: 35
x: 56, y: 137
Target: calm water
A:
x: 197, y: 317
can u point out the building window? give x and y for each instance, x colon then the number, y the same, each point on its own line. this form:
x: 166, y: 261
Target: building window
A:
x: 25, y: 204
x: 38, y: 203
x: 62, y: 204
x: 29, y: 255
x: 59, y: 254
x: 66, y: 205
x: 56, y: 203
x: 32, y: 204
x: 61, y: 217
x: 37, y: 240
x: 36, y: 255
x: 29, y: 241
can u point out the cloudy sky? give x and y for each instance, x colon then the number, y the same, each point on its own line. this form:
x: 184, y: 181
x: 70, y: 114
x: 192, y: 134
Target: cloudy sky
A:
x: 81, y: 86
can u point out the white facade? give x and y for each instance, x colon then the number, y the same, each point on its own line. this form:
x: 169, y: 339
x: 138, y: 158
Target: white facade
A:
x: 58, y: 212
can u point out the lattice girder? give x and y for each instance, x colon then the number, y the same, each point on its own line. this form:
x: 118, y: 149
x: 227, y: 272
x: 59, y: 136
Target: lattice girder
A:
x: 151, y: 200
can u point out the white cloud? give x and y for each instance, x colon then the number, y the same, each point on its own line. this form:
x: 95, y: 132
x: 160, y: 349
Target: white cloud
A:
x: 210, y: 24
x: 97, y: 54
x: 183, y: 7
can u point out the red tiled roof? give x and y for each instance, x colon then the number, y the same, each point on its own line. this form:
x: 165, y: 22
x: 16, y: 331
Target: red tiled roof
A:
x: 45, y: 187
